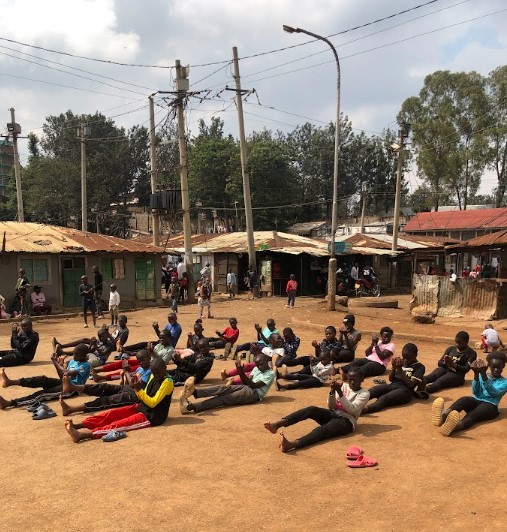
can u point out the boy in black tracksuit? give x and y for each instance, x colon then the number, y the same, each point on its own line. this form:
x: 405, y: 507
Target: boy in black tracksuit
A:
x: 197, y: 365
x: 452, y: 366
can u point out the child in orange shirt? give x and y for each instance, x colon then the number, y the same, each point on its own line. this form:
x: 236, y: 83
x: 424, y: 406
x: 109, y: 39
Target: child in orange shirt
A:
x: 292, y: 286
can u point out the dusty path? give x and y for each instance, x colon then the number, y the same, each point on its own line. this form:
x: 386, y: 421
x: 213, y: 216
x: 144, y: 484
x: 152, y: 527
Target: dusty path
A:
x: 209, y: 471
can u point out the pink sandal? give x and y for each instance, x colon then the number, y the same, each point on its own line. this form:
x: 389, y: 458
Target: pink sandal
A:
x: 363, y: 461
x: 354, y: 452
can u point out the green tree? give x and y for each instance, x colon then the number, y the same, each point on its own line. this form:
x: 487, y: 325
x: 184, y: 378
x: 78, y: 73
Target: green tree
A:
x: 497, y: 92
x: 448, y: 120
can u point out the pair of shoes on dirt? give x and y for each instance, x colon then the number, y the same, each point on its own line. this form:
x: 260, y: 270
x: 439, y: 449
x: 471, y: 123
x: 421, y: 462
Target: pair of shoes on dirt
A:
x: 41, y: 411
x: 357, y: 459
x: 451, y: 421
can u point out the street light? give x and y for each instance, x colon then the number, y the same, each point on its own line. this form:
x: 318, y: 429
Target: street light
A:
x: 331, y: 283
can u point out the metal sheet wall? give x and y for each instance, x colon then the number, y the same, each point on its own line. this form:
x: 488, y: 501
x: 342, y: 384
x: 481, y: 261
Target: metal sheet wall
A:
x: 476, y: 298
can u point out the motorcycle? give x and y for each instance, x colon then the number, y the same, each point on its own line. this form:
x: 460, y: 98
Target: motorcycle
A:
x: 365, y: 287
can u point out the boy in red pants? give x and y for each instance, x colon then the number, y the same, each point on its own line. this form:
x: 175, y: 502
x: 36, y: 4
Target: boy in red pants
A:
x: 152, y: 410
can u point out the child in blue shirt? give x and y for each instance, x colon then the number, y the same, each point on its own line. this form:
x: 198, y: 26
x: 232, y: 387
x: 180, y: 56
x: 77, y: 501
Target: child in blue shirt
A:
x: 487, y: 392
x: 78, y: 370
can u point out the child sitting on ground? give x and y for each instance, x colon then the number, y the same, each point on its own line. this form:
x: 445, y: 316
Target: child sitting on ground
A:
x: 490, y: 339
x: 452, y: 366
x: 345, y: 402
x: 313, y: 376
x: 152, y: 409
x: 487, y: 391
x: 406, y: 375
x: 378, y: 356
x: 226, y: 339
x: 78, y: 369
x: 328, y: 343
x: 99, y: 348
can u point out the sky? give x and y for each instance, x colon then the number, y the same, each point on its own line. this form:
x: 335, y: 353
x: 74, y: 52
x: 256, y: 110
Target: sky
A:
x: 382, y: 63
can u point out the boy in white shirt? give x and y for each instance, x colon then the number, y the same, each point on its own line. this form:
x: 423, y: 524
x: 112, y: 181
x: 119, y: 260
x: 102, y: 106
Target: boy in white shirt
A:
x: 313, y: 376
x: 114, y: 304
x: 490, y: 338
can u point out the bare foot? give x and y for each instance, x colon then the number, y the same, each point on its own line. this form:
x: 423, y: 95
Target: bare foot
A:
x: 285, y: 444
x: 74, y: 433
x: 229, y: 381
x: 54, y: 343
x: 4, y: 403
x: 59, y: 349
x: 66, y: 410
x: 4, y: 380
x: 95, y: 375
x: 343, y: 375
x: 224, y: 375
x: 272, y: 427
x: 66, y: 385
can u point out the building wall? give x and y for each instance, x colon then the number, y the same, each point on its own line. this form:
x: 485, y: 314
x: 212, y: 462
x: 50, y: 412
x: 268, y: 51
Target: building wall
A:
x: 53, y: 288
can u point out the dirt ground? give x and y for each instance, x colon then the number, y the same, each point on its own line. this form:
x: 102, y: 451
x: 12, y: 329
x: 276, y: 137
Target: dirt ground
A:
x: 222, y: 468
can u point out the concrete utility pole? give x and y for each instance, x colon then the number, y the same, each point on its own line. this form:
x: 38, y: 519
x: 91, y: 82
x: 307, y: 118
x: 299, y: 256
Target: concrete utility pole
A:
x: 364, y: 191
x: 153, y: 172
x: 15, y: 129
x: 399, y: 149
x: 244, y: 166
x: 82, y: 132
x: 182, y: 86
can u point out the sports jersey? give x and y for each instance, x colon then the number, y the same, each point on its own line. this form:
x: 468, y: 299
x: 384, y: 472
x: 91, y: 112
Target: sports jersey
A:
x: 414, y: 371
x: 463, y: 359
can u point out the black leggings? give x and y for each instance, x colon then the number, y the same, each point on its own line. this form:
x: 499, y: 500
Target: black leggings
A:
x: 441, y: 378
x: 109, y: 396
x: 345, y: 355
x: 476, y: 410
x: 331, y: 425
x: 133, y: 348
x: 388, y: 396
x: 370, y: 368
x: 51, y: 390
x: 298, y: 361
x: 303, y: 381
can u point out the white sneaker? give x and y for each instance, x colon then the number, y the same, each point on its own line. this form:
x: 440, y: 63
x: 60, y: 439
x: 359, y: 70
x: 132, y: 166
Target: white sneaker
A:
x: 85, y: 326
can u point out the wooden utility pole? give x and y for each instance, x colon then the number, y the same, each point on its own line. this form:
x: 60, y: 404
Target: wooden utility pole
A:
x: 15, y: 129
x: 364, y: 191
x: 182, y: 86
x: 153, y: 172
x: 82, y: 133
x: 244, y: 166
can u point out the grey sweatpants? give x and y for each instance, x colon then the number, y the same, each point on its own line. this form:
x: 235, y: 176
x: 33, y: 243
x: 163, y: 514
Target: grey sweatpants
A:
x: 236, y: 394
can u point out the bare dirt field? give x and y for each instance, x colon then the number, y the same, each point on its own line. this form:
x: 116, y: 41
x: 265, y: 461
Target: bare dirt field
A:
x: 222, y: 469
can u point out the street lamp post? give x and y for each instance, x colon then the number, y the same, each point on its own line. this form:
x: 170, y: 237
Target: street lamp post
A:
x: 331, y: 284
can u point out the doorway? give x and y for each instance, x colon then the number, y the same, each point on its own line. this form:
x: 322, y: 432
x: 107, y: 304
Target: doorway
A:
x: 72, y: 270
x: 145, y: 280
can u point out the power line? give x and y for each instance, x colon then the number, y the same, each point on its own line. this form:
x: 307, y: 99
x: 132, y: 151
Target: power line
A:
x: 76, y: 68
x: 65, y: 86
x: 379, y: 47
x: 68, y: 54
x: 70, y: 73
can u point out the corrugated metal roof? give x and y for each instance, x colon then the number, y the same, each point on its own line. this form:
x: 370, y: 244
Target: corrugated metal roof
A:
x: 305, y: 227
x: 498, y: 238
x: 237, y: 243
x: 39, y: 238
x: 380, y: 241
x: 458, y: 220
x: 361, y: 240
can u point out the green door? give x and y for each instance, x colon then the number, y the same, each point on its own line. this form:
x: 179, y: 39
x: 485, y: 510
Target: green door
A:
x: 72, y: 270
x: 145, y: 280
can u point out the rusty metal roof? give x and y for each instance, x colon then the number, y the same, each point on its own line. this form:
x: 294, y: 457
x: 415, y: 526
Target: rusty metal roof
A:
x: 458, y: 220
x: 237, y: 243
x: 498, y: 239
x: 39, y: 238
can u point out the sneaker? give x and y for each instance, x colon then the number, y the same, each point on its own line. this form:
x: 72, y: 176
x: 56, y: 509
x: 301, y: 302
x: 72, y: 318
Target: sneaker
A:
x: 436, y: 411
x: 85, y: 326
x: 450, y: 423
x: 189, y: 388
x: 184, y: 402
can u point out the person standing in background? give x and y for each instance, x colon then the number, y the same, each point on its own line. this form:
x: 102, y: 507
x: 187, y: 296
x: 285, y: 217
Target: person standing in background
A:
x: 231, y: 283
x: 99, y: 287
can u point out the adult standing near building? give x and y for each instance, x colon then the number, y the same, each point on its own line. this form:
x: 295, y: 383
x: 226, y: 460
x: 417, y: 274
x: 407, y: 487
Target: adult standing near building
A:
x: 181, y: 268
x: 231, y: 283
x: 21, y: 287
x: 87, y: 292
x: 24, y: 343
x: 39, y: 305
x: 354, y: 271
x: 99, y: 287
